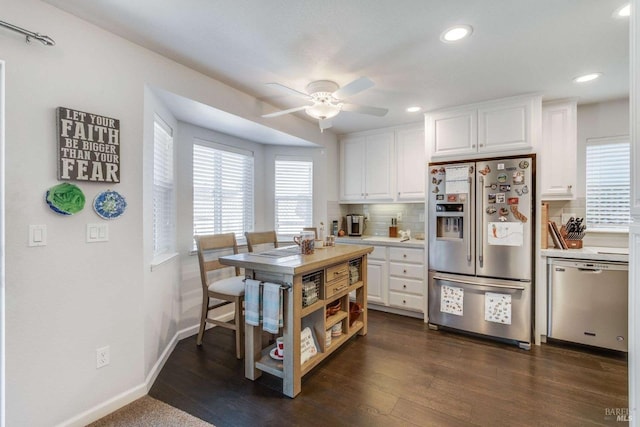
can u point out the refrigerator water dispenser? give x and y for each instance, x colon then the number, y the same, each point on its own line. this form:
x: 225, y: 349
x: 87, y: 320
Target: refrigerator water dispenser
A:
x: 449, y: 221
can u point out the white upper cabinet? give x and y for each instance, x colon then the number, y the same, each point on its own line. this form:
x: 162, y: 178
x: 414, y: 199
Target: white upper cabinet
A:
x: 452, y: 132
x: 558, y: 147
x: 410, y: 164
x: 499, y: 126
x: 366, y: 167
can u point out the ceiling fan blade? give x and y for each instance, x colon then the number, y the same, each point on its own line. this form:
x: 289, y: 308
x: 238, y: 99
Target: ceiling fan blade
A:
x: 365, y: 109
x: 325, y: 124
x: 356, y: 86
x: 283, y: 112
x: 289, y: 90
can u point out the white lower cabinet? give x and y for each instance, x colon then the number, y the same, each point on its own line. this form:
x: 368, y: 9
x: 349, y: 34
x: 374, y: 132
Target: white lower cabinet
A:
x: 396, y: 279
x: 406, y: 278
x: 377, y: 276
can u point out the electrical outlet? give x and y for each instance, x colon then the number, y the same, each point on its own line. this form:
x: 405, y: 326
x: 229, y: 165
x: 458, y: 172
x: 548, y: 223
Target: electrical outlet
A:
x: 102, y: 357
x: 399, y: 216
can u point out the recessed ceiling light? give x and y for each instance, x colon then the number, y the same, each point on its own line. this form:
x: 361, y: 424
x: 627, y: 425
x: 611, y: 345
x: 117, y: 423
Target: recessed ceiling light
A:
x: 413, y: 109
x: 587, y: 78
x: 623, y: 11
x: 456, y: 33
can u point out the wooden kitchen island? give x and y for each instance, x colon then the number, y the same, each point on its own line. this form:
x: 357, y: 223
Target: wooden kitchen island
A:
x: 334, y: 273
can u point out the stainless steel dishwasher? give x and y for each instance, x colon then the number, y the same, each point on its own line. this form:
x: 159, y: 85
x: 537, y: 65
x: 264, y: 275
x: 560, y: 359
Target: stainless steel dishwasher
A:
x: 588, y: 302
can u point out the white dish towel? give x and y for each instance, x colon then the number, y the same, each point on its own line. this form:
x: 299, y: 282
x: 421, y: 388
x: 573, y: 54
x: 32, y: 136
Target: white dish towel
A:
x: 252, y: 302
x: 272, y: 308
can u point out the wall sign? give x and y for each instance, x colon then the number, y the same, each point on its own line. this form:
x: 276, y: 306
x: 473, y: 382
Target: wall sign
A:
x: 88, y: 147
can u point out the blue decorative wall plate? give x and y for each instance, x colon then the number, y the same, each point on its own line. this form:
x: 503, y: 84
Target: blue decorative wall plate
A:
x: 109, y: 204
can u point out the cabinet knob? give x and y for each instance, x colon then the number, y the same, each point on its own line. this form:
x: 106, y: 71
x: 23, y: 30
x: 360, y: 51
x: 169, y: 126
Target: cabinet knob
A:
x: 404, y: 271
x: 404, y: 255
x: 473, y: 145
x: 404, y: 286
x: 481, y: 145
x: 569, y: 187
x: 404, y: 301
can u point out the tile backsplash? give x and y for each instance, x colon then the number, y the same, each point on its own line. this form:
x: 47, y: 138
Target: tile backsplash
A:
x: 380, y: 214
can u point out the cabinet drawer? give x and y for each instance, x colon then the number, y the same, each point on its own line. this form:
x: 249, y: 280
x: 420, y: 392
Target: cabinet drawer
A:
x: 406, y: 285
x: 336, y: 286
x: 413, y: 271
x: 337, y: 272
x: 411, y: 302
x: 406, y: 255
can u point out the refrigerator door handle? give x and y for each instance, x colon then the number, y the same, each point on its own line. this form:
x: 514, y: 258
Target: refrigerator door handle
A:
x: 481, y: 234
x: 469, y: 228
x: 492, y: 285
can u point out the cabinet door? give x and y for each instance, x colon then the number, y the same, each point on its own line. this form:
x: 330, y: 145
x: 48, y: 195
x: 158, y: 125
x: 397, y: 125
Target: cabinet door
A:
x: 410, y: 164
x: 376, y: 281
x: 352, y: 161
x: 379, y: 161
x: 558, y: 151
x: 452, y: 132
x: 505, y: 125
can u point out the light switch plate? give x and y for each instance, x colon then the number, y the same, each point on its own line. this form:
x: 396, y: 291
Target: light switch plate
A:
x: 97, y: 233
x: 37, y: 235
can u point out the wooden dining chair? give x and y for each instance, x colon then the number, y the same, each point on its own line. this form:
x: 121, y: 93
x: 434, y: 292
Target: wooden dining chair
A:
x: 257, y: 240
x: 219, y: 289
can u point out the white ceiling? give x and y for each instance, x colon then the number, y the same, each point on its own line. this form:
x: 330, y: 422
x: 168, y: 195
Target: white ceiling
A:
x: 516, y: 47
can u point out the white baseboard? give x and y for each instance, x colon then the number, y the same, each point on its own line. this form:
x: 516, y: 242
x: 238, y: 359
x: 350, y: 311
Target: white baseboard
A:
x: 128, y: 396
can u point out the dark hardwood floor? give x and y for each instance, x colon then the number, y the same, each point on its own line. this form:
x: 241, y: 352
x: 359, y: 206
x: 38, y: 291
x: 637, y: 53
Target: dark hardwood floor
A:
x: 403, y: 374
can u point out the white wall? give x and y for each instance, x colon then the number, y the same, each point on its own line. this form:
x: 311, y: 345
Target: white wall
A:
x: 68, y: 298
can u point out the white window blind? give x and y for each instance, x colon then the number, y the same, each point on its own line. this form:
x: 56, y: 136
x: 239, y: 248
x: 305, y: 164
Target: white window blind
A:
x: 293, y: 196
x: 608, y: 183
x: 164, y: 207
x: 222, y: 190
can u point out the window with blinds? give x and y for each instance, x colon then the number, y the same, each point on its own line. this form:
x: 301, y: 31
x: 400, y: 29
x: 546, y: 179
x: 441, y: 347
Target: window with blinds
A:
x: 608, y: 183
x: 164, y: 206
x: 222, y: 190
x: 293, y: 196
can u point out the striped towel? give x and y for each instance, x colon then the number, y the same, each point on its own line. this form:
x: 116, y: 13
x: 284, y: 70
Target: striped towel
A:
x: 272, y: 308
x: 252, y: 302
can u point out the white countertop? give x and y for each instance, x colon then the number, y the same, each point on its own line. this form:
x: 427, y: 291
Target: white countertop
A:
x: 591, y: 252
x: 382, y: 240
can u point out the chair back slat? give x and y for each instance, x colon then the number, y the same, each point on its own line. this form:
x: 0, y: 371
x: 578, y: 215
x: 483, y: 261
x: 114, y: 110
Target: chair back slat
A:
x: 215, y: 245
x: 256, y: 238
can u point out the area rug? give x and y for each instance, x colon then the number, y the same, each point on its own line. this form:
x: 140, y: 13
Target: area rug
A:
x: 149, y: 412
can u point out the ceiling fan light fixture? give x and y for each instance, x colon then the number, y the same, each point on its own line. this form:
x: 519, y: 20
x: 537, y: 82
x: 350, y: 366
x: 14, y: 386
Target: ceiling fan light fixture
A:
x: 456, y: 33
x: 324, y: 108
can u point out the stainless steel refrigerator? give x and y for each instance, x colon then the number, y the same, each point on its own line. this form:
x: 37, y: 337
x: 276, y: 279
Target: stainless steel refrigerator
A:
x: 481, y: 238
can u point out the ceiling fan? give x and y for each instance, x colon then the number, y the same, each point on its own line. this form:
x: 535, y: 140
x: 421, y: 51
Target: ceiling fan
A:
x: 328, y: 99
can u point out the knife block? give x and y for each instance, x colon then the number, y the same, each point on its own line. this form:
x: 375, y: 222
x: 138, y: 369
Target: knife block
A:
x: 571, y: 243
